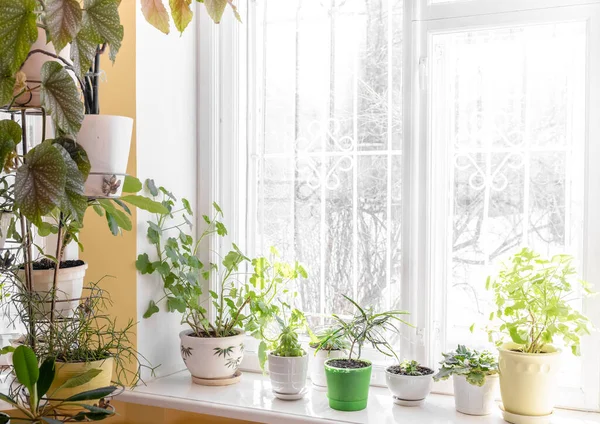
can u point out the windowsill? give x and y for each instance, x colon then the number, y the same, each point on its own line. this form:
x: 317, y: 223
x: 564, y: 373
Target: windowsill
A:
x: 252, y: 400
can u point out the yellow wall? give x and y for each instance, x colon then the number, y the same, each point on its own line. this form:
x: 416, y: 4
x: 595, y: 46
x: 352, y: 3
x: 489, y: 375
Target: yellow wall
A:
x: 106, y: 254
x: 140, y: 414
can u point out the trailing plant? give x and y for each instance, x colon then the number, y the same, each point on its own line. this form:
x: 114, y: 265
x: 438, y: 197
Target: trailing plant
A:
x: 157, y: 15
x: 184, y: 276
x: 30, y: 396
x: 533, y: 298
x: 332, y: 341
x: 89, y: 335
x: 474, y: 365
x: 410, y: 368
x: 367, y: 326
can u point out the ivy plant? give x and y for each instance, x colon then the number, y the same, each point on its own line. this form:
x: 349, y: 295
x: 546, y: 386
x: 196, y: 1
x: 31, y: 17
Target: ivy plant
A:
x: 474, y: 365
x: 533, y: 297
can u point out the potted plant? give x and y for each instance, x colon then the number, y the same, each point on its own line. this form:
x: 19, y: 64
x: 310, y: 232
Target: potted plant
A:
x: 348, y: 378
x: 334, y: 348
x: 211, y: 348
x: 288, y: 362
x: 532, y: 295
x: 36, y: 402
x: 409, y: 382
x: 474, y: 376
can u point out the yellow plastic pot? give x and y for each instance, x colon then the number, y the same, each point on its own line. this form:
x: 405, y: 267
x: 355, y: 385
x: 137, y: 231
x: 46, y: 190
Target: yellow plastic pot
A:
x: 67, y: 370
x: 528, y: 380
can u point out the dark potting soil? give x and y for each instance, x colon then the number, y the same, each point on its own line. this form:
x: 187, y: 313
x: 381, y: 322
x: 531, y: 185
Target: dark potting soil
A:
x: 347, y: 363
x: 395, y: 369
x: 48, y: 264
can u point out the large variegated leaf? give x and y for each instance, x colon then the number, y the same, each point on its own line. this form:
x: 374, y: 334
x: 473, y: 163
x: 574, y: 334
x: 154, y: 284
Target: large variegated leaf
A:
x: 7, y: 85
x: 63, y: 21
x: 10, y: 136
x: 77, y: 153
x: 83, y: 48
x: 156, y: 14
x: 181, y: 13
x: 40, y: 182
x: 18, y: 31
x: 73, y: 201
x: 102, y: 16
x: 60, y: 98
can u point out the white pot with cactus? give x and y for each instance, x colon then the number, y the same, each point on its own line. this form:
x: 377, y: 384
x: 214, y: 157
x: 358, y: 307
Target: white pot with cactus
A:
x: 475, y: 378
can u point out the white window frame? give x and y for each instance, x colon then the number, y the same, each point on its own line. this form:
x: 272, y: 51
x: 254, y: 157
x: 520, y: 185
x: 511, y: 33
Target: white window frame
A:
x: 225, y: 131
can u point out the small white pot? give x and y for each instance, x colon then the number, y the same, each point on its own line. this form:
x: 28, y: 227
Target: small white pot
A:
x: 4, y: 223
x: 408, y: 387
x: 317, y: 364
x: 211, y: 358
x: 106, y: 140
x: 288, y: 375
x: 69, y: 286
x: 475, y: 400
x: 33, y: 68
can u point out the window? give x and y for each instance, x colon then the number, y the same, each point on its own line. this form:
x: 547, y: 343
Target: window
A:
x: 402, y: 149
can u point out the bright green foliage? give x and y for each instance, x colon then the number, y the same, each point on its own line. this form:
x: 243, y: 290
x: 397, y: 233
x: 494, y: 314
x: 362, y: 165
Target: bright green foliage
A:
x: 18, y: 31
x: 33, y: 408
x: 287, y: 344
x: 367, y: 326
x: 327, y: 340
x: 473, y: 364
x: 533, y: 299
x: 412, y: 368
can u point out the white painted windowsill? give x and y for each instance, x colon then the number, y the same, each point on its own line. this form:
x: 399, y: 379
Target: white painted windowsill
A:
x: 252, y: 400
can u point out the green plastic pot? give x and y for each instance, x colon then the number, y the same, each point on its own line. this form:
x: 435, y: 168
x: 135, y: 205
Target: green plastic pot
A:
x: 348, y: 389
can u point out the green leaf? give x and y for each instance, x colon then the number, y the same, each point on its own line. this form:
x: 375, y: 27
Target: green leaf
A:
x: 152, y: 187
x: 181, y: 13
x: 143, y: 264
x: 83, y: 48
x: 63, y: 21
x: 26, y: 366
x: 262, y: 354
x: 145, y: 204
x: 10, y: 136
x: 186, y: 205
x: 131, y: 184
x: 112, y: 224
x: 120, y: 217
x: 40, y: 182
x: 47, y: 371
x: 81, y: 379
x: 18, y: 31
x: 73, y: 201
x: 156, y: 14
x: 7, y: 85
x: 77, y: 153
x: 92, y: 394
x: 215, y: 9
x: 176, y: 304
x: 60, y: 97
x: 152, y: 309
x: 103, y: 17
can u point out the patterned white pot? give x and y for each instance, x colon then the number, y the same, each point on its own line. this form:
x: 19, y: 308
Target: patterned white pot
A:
x: 409, y: 387
x: 106, y: 140
x: 211, y: 358
x: 317, y: 364
x: 475, y: 400
x: 288, y: 375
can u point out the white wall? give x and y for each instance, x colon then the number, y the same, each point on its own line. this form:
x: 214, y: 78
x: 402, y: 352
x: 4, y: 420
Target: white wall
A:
x: 166, y: 152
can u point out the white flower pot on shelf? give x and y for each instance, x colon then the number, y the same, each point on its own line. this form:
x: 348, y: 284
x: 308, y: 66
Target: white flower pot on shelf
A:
x: 288, y: 376
x: 475, y: 400
x: 4, y: 224
x: 528, y: 380
x: 210, y: 359
x: 106, y: 140
x: 33, y: 68
x: 409, y: 390
x: 68, y: 289
x: 317, y: 364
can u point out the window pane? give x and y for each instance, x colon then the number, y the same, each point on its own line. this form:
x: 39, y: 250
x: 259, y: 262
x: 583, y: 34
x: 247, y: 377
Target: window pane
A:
x: 509, y: 111
x: 329, y: 158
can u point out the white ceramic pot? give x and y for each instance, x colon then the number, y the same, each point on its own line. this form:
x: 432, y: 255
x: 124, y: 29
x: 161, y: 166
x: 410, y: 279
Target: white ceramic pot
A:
x: 288, y: 375
x: 211, y: 358
x: 413, y: 389
x: 33, y: 68
x: 69, y: 286
x: 106, y: 140
x: 4, y: 223
x: 317, y: 364
x: 475, y: 400
x: 528, y: 381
